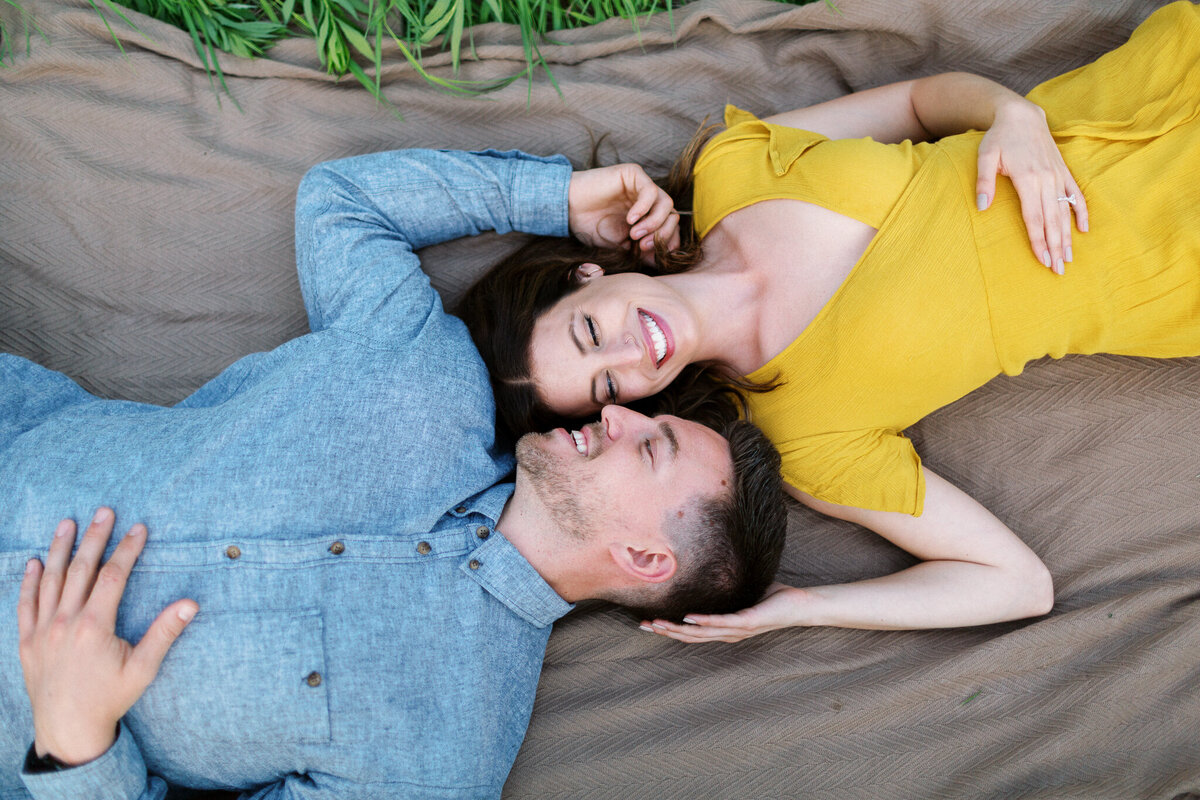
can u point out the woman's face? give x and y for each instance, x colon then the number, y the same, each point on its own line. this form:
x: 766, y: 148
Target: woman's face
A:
x: 617, y: 339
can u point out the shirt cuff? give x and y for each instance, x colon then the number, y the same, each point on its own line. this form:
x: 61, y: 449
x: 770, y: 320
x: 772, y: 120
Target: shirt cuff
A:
x: 539, y: 196
x: 119, y: 774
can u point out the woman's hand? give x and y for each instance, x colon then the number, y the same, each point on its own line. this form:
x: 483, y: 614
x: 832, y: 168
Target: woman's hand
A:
x: 619, y: 206
x: 779, y: 608
x: 80, y: 676
x: 1019, y: 145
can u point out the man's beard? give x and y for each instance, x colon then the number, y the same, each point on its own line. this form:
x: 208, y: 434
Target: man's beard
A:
x: 545, y: 473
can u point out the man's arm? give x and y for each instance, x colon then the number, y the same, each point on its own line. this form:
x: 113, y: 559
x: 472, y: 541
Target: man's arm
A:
x: 359, y: 221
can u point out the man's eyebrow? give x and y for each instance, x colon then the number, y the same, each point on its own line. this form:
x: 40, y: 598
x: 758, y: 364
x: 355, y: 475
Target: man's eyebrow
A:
x: 668, y: 433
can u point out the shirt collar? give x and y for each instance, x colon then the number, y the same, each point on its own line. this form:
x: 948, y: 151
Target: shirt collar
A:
x: 500, y: 568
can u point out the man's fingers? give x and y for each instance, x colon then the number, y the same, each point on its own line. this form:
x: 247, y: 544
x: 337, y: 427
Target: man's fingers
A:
x: 152, y: 649
x: 82, y: 571
x: 28, y: 602
x: 111, y: 579
x: 54, y: 573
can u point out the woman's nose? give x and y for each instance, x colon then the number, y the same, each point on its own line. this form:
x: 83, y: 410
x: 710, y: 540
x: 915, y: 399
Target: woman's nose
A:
x: 627, y: 353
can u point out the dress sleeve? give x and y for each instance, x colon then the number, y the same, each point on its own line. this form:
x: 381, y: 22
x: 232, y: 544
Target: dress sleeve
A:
x: 874, y: 469
x: 359, y: 221
x: 752, y: 160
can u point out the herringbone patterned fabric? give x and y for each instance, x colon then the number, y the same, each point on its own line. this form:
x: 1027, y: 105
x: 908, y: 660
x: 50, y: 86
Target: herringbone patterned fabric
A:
x: 145, y: 243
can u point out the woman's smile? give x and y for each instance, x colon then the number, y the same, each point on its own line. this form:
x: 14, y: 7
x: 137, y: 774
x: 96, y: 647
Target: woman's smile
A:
x: 658, y: 337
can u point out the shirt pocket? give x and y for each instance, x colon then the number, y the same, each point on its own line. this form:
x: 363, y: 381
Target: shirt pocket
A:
x: 244, y: 678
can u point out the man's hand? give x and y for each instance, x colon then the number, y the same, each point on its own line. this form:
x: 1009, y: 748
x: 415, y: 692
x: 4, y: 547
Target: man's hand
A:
x: 620, y: 207
x: 80, y: 676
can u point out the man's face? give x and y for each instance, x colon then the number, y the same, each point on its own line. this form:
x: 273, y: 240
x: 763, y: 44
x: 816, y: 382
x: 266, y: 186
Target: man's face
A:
x: 626, y: 473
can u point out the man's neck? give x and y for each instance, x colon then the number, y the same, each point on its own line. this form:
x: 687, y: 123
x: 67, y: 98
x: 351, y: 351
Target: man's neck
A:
x: 528, y: 526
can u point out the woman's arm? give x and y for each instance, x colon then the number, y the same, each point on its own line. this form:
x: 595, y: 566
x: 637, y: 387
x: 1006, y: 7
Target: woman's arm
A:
x: 974, y: 571
x: 1018, y: 144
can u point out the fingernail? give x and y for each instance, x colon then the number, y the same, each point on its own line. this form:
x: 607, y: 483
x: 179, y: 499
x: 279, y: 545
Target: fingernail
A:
x: 135, y: 531
x: 186, y: 613
x: 1083, y: 226
x: 62, y: 528
x: 102, y: 515
x: 1046, y: 259
x: 30, y: 565
x: 690, y: 621
x: 638, y: 233
x: 658, y: 627
x: 981, y: 202
x: 646, y: 628
x: 1070, y: 254
x: 1058, y: 266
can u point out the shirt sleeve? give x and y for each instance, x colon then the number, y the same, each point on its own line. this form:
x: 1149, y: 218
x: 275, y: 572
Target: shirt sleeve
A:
x: 359, y: 221
x: 119, y: 774
x: 877, y: 470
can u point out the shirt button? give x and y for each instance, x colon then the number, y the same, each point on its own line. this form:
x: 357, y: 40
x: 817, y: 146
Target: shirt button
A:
x: 313, y: 679
x: 482, y: 531
x: 423, y: 548
x: 460, y: 510
x: 474, y: 564
x: 337, y: 548
x: 233, y: 551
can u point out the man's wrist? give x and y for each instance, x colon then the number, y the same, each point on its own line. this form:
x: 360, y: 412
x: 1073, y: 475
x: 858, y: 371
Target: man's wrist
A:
x: 41, y: 764
x: 73, y: 753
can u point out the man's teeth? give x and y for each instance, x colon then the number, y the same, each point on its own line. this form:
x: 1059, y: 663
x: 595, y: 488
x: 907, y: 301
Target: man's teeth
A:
x: 580, y: 444
x: 656, y: 336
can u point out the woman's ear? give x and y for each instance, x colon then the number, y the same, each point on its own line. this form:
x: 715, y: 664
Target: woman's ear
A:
x: 585, y: 272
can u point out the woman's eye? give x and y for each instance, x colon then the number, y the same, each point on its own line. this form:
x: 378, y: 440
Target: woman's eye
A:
x: 649, y: 450
x: 610, y: 387
x: 592, y: 332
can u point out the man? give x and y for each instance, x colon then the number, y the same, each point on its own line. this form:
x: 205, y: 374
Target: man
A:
x: 374, y: 606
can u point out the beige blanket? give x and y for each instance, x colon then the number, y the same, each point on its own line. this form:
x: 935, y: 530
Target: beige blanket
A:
x: 145, y: 243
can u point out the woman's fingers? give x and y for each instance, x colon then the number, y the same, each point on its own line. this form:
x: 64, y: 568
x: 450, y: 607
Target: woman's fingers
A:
x: 1057, y: 212
x: 985, y: 180
x: 81, y: 574
x: 1080, y: 208
x: 54, y: 572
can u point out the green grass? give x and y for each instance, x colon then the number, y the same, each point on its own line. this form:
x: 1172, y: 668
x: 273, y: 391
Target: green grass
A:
x: 349, y: 34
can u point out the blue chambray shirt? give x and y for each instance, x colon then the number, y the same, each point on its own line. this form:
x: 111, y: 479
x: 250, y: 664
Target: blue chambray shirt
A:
x: 364, y: 631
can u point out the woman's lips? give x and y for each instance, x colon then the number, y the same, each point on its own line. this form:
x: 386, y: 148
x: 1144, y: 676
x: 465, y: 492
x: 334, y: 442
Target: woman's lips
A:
x: 664, y: 331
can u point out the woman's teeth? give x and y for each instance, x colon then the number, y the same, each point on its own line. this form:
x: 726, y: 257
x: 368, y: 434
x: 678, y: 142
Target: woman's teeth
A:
x: 656, y: 336
x: 580, y: 444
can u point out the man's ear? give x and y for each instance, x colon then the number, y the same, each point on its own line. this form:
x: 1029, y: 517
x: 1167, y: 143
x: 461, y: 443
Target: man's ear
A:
x: 650, y: 564
x: 585, y: 272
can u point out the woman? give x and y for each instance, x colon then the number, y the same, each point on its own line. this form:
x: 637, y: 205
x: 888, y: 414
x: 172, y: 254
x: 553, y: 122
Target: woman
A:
x: 874, y: 283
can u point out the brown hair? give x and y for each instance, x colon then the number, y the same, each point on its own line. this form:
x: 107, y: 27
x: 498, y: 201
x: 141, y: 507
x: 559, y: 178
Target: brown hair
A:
x: 501, y: 308
x: 729, y: 559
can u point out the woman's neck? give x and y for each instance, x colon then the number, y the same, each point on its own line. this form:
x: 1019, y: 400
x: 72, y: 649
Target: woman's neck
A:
x: 726, y: 296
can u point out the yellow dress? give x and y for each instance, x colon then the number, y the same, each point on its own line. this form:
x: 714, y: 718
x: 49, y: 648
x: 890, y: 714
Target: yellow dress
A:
x: 946, y: 297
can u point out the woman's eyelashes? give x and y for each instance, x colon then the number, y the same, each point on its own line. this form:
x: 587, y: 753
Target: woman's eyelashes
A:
x: 593, y: 332
x: 610, y: 388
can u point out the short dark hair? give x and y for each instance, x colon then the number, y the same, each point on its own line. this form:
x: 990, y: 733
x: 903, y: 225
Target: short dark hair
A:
x: 727, y: 561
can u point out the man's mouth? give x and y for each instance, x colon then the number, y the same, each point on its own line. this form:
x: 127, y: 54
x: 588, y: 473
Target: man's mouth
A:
x: 657, y: 336
x: 580, y: 442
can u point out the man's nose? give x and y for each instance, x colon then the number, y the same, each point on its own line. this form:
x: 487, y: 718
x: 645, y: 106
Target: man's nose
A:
x: 620, y: 420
